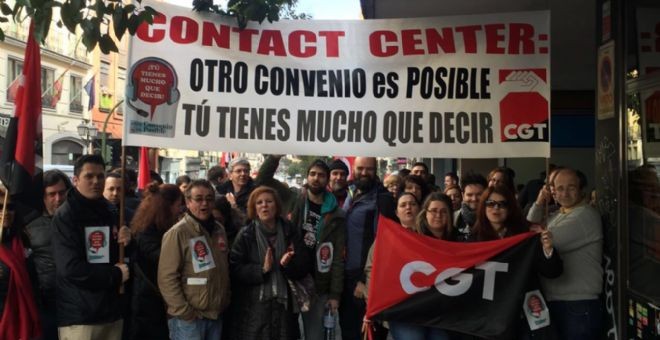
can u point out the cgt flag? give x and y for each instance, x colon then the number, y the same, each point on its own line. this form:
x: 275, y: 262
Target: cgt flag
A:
x: 20, y: 319
x: 18, y: 160
x: 474, y: 288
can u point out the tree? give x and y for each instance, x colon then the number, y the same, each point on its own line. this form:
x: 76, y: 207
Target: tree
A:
x: 305, y: 162
x: 256, y: 10
x: 91, y: 16
x: 97, y: 17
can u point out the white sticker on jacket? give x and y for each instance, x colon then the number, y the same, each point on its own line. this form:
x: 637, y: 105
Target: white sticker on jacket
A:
x: 97, y: 241
x: 324, y: 254
x: 202, y: 256
x: 196, y: 281
x: 536, y: 310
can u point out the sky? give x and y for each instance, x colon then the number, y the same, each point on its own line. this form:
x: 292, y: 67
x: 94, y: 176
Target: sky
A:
x: 319, y: 9
x: 331, y: 9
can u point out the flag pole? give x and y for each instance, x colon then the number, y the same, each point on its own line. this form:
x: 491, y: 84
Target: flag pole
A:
x: 4, y: 211
x: 546, y: 210
x: 122, y: 204
x: 73, y: 62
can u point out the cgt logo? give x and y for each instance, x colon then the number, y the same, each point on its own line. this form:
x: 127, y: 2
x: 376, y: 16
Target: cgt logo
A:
x: 463, y: 280
x: 525, y: 132
x: 524, y: 112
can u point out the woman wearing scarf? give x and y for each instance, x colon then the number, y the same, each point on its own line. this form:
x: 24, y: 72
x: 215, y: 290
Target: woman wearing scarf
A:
x: 264, y: 256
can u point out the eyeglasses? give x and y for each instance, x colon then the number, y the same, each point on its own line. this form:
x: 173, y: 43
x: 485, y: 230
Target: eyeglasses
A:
x: 437, y: 211
x: 496, y: 204
x: 241, y: 171
x: 200, y: 199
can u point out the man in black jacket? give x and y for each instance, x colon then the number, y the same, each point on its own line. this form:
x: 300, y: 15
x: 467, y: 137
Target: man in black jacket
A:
x: 56, y: 185
x: 85, y: 247
x: 370, y: 200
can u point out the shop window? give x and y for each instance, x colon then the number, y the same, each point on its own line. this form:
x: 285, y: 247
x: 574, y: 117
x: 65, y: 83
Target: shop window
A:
x: 643, y: 154
x: 642, y: 119
x: 65, y: 152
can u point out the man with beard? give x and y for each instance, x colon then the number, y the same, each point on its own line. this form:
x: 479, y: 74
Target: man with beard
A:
x: 322, y: 225
x: 338, y: 183
x: 473, y: 186
x: 369, y: 200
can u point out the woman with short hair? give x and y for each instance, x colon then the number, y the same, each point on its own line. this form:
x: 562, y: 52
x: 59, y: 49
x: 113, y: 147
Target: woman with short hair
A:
x: 435, y: 219
x: 266, y: 253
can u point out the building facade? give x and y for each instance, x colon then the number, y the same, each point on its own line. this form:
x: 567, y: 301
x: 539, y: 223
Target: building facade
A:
x: 65, y: 69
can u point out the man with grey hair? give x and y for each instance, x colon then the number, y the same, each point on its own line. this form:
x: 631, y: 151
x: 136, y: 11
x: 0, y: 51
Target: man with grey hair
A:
x: 238, y: 188
x: 574, y: 297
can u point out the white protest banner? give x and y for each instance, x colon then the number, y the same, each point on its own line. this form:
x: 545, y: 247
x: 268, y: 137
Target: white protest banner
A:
x: 462, y: 86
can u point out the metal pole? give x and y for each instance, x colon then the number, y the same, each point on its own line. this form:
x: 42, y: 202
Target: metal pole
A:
x: 122, y: 206
x: 4, y: 211
x: 546, y: 211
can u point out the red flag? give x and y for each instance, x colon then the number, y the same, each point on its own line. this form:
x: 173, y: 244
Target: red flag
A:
x: 409, y: 273
x: 349, y: 161
x: 57, y: 93
x: 144, y: 174
x: 225, y: 159
x: 17, y: 160
x: 20, y: 319
x: 13, y: 89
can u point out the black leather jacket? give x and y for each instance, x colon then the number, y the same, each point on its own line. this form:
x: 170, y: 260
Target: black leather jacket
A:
x: 40, y: 234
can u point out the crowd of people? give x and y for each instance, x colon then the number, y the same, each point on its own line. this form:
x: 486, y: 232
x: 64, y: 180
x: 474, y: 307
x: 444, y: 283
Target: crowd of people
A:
x: 236, y: 257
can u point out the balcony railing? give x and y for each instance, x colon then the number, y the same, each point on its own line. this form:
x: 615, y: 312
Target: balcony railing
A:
x: 59, y: 40
x: 75, y: 108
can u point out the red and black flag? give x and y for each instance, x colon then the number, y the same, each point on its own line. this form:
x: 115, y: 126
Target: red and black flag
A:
x: 473, y: 288
x: 17, y: 171
x: 18, y: 157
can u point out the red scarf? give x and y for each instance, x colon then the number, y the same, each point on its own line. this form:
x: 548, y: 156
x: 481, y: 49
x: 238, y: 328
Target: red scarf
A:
x: 20, y: 319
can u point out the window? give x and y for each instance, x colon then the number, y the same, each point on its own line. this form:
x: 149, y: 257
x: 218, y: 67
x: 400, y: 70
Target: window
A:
x: 15, y: 70
x: 120, y: 86
x: 75, y: 94
x: 105, y: 104
x: 105, y: 74
x: 47, y: 88
x: 642, y: 132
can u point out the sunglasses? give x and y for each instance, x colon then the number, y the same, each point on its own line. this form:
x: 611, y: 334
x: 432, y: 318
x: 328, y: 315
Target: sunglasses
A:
x: 496, y: 204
